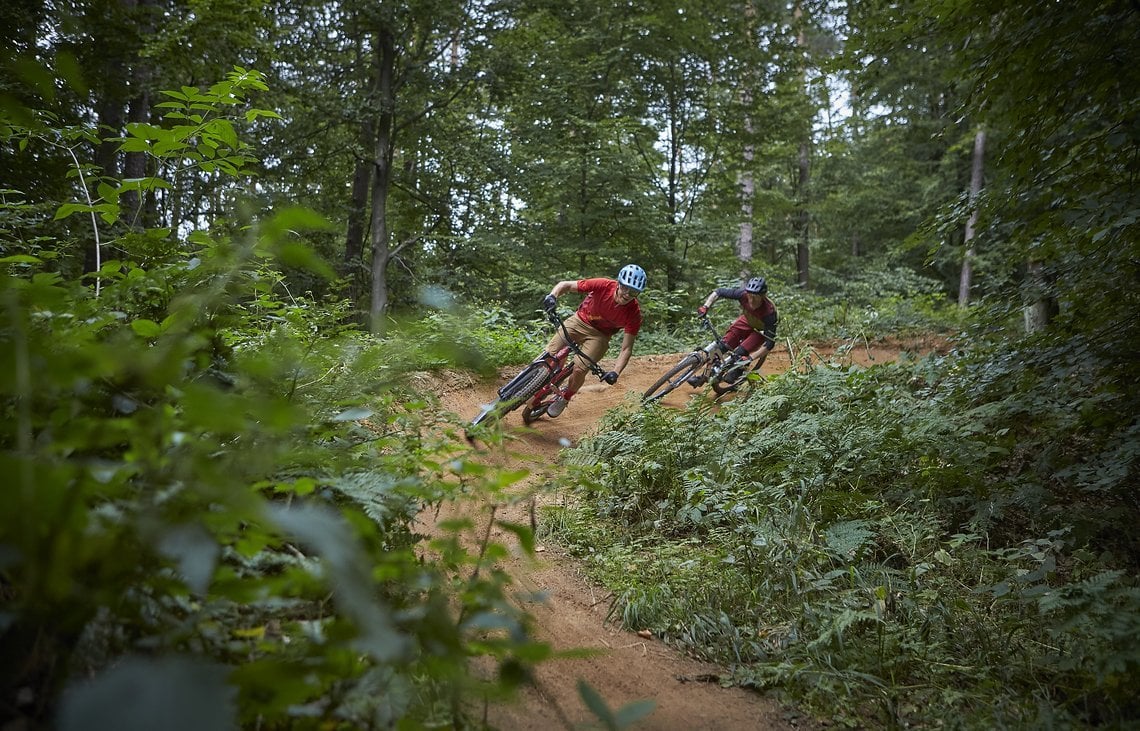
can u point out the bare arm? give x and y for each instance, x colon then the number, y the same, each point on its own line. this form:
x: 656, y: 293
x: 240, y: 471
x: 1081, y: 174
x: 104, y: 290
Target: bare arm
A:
x: 626, y: 352
x: 713, y: 297
x: 569, y: 285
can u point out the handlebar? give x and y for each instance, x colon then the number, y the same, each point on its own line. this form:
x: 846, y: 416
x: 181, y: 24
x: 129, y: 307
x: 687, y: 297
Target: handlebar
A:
x: 706, y: 323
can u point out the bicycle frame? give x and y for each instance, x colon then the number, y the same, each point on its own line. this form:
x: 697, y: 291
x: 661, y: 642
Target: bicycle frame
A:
x: 560, y: 370
x: 703, y: 365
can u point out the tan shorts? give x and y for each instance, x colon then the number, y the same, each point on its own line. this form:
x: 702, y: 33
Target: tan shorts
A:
x: 592, y: 341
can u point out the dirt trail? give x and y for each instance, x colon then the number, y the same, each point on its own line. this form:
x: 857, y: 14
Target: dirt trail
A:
x: 627, y: 666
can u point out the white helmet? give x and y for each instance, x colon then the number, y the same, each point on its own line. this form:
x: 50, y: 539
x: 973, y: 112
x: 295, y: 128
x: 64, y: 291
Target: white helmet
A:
x: 632, y: 276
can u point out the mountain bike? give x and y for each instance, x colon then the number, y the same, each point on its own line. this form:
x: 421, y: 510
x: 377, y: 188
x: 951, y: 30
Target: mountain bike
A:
x: 537, y: 386
x: 713, y: 365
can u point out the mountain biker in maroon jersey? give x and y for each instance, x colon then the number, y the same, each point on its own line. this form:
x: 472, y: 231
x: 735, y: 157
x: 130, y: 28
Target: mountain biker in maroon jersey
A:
x: 753, y: 334
x: 609, y: 306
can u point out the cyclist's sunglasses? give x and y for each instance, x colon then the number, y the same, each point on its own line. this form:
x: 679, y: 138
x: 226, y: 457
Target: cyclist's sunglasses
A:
x: 628, y: 291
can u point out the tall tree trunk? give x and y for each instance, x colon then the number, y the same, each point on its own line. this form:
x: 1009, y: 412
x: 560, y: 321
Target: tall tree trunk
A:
x: 803, y: 254
x: 747, y: 195
x: 747, y: 183
x: 352, y: 266
x: 673, y: 268
x: 386, y: 58
x: 965, y: 281
x: 1040, y: 312
x: 138, y: 210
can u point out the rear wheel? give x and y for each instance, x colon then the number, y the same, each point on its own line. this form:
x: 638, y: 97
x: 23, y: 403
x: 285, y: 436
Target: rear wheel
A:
x: 673, y: 378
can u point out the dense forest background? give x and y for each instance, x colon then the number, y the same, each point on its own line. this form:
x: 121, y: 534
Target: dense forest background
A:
x: 227, y: 228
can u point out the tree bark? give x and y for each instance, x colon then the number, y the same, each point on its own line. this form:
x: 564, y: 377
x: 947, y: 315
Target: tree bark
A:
x: 747, y: 195
x: 803, y: 253
x: 139, y: 211
x: 965, y: 281
x: 747, y: 183
x: 1039, y: 313
x: 352, y: 267
x: 382, y: 162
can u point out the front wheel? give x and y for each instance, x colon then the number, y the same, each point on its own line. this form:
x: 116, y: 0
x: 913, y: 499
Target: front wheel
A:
x: 673, y: 378
x: 535, y: 410
x: 521, y: 387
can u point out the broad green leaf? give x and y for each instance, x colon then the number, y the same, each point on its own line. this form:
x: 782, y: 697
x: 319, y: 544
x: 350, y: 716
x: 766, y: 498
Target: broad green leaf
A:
x: 523, y: 532
x: 146, y: 328
x: 597, y: 705
x: 143, y: 694
x: 348, y: 574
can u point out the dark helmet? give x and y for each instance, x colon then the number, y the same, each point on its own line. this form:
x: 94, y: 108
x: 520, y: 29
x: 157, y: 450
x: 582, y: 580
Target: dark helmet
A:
x: 632, y: 276
x: 756, y: 285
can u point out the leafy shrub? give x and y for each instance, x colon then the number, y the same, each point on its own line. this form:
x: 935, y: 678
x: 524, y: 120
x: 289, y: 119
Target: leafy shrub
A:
x: 918, y: 541
x: 212, y: 494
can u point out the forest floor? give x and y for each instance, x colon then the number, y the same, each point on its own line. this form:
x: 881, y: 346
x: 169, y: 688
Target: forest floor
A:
x: 622, y: 666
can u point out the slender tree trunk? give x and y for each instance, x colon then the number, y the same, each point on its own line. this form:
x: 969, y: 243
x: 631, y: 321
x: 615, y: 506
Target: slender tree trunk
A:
x: 353, y: 265
x: 747, y: 183
x: 1039, y: 313
x: 673, y: 269
x: 965, y: 280
x: 138, y: 210
x: 747, y: 195
x: 803, y: 254
x: 385, y: 50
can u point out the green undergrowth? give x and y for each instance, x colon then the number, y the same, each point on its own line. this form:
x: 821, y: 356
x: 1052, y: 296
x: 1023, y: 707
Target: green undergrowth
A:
x: 213, y: 503
x: 213, y: 486
x: 945, y: 542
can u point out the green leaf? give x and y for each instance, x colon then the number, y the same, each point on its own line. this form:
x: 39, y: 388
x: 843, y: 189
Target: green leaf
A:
x: 349, y: 575
x: 597, y: 705
x: 142, y: 694
x: 196, y: 553
x: 146, y: 328
x: 631, y: 713
x: 523, y: 532
x: 303, y: 257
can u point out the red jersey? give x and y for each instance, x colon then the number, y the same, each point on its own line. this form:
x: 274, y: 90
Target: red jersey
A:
x: 601, y: 312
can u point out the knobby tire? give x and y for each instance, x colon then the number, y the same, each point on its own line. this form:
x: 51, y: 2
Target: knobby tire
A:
x: 531, y: 413
x: 673, y: 378
x: 532, y: 378
x: 724, y: 383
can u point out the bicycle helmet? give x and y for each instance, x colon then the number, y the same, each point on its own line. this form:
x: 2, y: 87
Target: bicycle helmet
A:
x: 632, y: 276
x: 756, y: 285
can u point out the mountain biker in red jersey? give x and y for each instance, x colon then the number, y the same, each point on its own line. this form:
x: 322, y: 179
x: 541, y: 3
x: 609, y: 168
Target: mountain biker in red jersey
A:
x: 609, y: 306
x: 752, y: 334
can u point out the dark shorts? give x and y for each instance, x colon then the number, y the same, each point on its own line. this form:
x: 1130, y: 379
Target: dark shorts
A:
x: 741, y: 333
